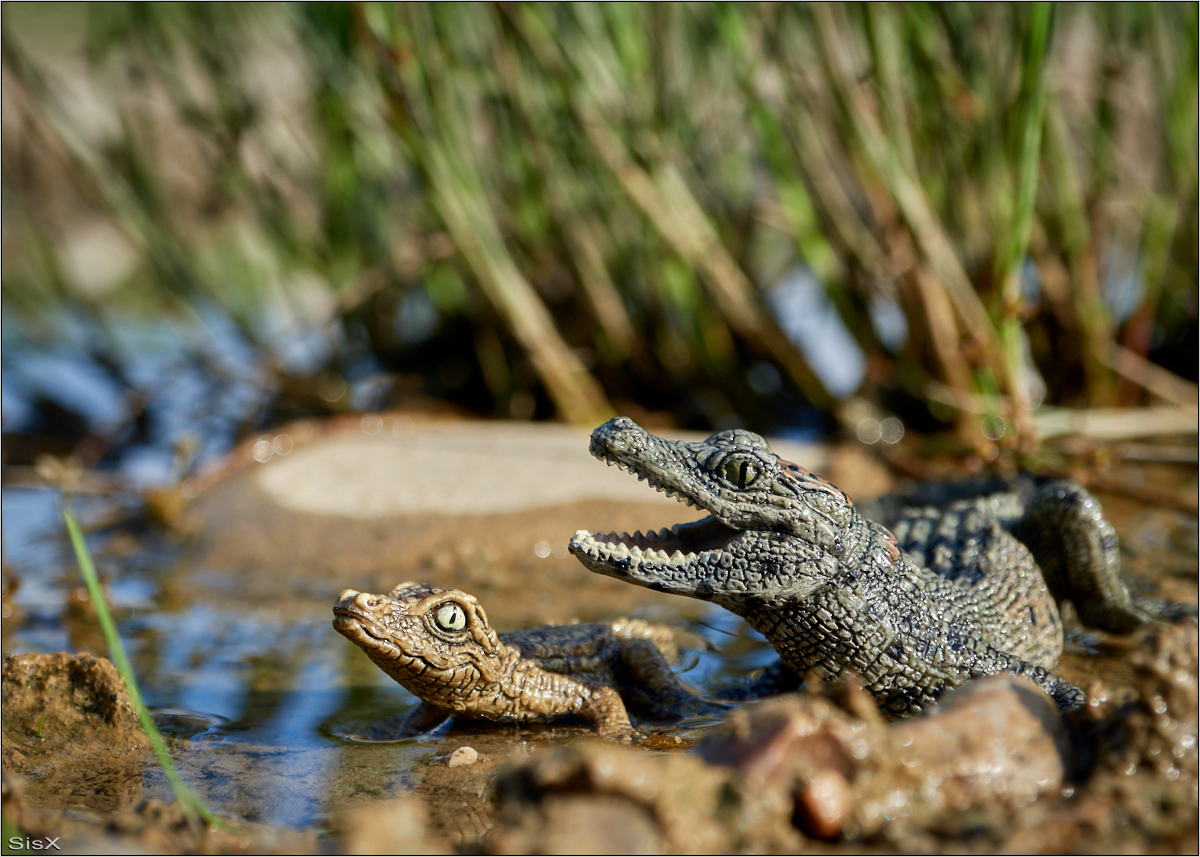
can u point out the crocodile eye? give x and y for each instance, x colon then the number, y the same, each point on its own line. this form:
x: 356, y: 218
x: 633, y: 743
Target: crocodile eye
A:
x: 740, y: 471
x: 451, y: 617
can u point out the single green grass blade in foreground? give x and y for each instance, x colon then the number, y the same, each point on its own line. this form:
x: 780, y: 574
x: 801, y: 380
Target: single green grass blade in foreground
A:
x: 193, y: 808
x: 8, y: 830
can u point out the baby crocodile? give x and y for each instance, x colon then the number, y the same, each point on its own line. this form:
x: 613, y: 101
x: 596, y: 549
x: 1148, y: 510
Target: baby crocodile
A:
x: 950, y: 596
x: 438, y: 644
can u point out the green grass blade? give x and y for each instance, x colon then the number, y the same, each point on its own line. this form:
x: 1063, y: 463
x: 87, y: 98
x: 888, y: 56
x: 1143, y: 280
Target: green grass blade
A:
x: 193, y: 808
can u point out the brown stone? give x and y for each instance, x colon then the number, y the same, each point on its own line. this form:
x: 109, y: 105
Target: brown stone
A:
x: 996, y: 744
x: 398, y: 826
x: 823, y: 804
x: 1000, y: 736
x: 71, y: 730
x: 797, y: 753
x: 785, y: 739
x: 603, y: 798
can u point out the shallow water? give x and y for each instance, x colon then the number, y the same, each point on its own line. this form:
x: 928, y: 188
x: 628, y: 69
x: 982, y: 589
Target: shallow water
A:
x: 268, y: 708
x: 267, y: 705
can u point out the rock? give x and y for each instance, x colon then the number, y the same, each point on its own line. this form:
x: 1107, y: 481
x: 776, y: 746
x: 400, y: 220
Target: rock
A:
x: 153, y: 827
x: 1140, y: 781
x: 797, y: 755
x: 71, y: 730
x: 996, y: 744
x: 462, y: 756
x: 823, y: 804
x: 590, y: 797
x: 398, y: 826
x: 1163, y: 729
x: 588, y: 825
x: 466, y: 504
x: 998, y: 736
x: 484, y: 468
x: 788, y: 738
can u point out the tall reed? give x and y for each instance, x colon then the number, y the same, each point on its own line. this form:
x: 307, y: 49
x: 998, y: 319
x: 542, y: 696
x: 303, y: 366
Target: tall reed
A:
x: 602, y: 196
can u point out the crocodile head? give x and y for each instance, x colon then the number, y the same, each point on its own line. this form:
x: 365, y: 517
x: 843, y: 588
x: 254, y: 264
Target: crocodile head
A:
x: 437, y: 643
x: 775, y: 531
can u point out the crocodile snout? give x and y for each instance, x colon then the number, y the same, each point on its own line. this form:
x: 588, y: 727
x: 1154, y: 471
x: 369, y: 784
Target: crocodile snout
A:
x: 353, y: 601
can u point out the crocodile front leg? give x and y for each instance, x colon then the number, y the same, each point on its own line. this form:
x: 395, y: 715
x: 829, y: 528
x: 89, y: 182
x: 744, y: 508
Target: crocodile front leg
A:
x: 648, y: 679
x: 903, y: 638
x: 603, y: 708
x: 992, y: 661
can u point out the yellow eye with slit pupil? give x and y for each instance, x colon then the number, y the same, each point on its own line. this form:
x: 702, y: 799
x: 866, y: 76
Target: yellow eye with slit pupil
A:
x: 740, y: 471
x: 451, y: 617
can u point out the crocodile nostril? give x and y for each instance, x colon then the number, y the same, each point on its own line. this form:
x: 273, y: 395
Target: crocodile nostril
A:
x: 366, y: 601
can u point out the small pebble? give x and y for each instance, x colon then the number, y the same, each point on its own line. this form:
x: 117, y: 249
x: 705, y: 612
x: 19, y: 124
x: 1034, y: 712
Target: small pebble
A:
x: 823, y: 804
x: 463, y: 756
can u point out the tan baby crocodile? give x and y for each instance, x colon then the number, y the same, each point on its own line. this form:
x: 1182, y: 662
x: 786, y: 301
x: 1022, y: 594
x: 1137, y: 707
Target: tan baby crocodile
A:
x: 438, y: 644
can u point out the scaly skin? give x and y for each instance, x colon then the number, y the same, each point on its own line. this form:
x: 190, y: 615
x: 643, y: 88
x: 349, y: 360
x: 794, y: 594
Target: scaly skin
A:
x: 438, y: 644
x: 836, y: 593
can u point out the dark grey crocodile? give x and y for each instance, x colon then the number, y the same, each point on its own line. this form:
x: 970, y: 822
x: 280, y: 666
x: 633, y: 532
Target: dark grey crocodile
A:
x: 950, y: 595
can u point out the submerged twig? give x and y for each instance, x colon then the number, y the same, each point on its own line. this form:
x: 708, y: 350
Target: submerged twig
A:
x: 1116, y: 423
x: 1150, y: 376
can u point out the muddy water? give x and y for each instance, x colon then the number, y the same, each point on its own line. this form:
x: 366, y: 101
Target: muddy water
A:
x: 270, y: 711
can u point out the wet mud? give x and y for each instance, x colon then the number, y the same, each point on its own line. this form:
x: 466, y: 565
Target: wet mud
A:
x: 70, y: 727
x: 270, y: 715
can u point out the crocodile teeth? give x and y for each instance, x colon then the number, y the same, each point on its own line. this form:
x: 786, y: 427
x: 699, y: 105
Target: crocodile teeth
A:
x: 637, y: 551
x: 677, y: 557
x: 637, y: 535
x: 625, y: 537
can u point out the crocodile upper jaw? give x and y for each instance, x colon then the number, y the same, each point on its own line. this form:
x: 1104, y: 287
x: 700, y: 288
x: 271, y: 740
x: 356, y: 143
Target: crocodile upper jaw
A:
x: 658, y: 559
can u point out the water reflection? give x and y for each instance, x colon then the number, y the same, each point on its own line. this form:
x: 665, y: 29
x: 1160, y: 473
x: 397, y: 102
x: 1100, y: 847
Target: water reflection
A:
x: 124, y: 392
x: 246, y: 688
x: 188, y: 725
x: 272, y: 716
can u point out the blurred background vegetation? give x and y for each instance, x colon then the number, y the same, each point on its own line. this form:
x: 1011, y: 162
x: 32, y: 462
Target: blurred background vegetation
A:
x: 945, y: 217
